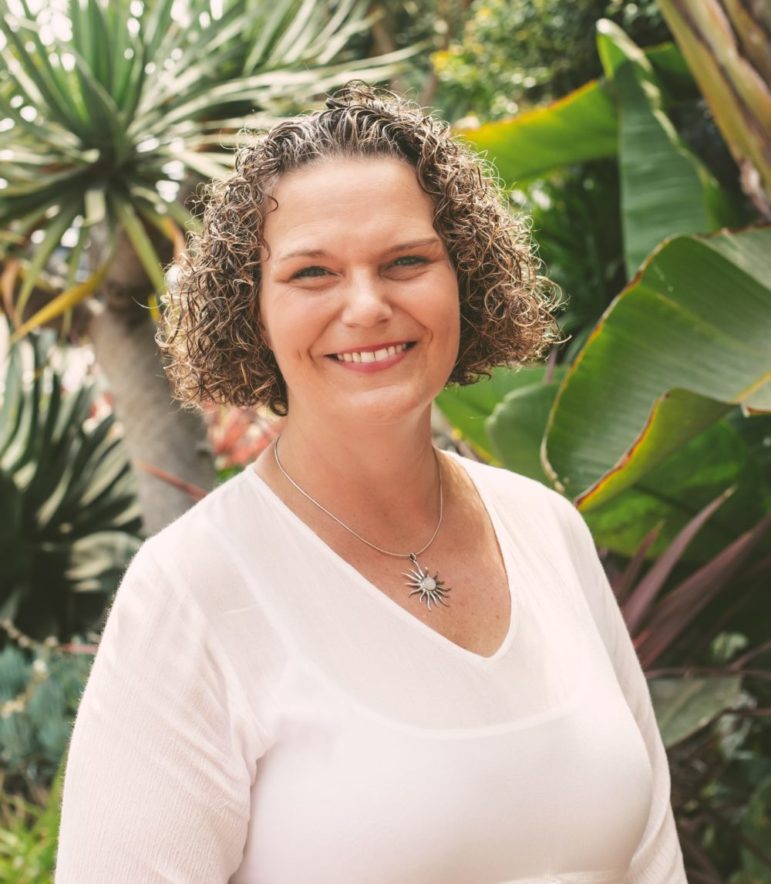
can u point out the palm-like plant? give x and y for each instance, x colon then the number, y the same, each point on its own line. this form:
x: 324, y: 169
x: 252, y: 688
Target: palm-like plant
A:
x: 109, y: 113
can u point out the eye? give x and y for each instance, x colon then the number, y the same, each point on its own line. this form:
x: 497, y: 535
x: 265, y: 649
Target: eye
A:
x: 411, y: 261
x: 309, y: 272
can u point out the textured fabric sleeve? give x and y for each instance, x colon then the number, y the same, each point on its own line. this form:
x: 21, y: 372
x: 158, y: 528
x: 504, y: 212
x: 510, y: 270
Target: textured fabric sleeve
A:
x: 158, y: 775
x: 658, y: 859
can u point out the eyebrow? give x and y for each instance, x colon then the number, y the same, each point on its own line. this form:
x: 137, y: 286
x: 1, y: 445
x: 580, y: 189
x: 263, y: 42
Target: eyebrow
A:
x: 401, y: 247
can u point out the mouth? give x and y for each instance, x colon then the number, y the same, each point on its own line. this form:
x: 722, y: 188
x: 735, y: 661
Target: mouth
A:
x: 377, y: 353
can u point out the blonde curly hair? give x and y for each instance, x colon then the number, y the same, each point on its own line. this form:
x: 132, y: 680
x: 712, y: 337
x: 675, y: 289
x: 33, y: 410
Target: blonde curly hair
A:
x: 210, y: 329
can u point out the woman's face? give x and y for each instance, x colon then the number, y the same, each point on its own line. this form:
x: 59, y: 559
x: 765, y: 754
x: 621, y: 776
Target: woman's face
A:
x: 359, y: 299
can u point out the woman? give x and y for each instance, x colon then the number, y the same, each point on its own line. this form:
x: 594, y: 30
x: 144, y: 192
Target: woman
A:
x: 363, y: 661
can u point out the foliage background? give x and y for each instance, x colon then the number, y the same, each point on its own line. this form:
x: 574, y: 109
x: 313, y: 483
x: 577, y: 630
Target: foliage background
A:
x: 487, y: 62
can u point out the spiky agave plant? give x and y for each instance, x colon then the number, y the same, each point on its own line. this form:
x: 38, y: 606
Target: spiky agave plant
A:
x: 69, y: 515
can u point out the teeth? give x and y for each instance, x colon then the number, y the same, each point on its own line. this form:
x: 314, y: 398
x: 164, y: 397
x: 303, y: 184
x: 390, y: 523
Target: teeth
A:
x: 372, y: 355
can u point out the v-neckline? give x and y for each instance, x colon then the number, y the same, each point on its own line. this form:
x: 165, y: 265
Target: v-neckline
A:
x: 374, y: 591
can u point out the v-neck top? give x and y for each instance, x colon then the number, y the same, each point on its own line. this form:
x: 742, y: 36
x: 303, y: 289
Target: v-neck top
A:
x: 260, y: 713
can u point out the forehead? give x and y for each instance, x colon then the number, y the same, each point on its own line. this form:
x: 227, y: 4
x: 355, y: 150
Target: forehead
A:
x: 357, y: 198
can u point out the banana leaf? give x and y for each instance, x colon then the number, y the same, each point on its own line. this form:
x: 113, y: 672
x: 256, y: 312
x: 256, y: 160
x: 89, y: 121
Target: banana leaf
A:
x: 665, y: 188
x: 690, y: 337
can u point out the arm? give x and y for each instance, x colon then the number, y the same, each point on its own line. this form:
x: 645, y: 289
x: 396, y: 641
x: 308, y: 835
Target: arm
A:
x: 658, y: 859
x: 158, y: 777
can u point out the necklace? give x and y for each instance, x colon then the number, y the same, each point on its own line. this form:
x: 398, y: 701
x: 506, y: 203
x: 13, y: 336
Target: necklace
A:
x: 419, y: 580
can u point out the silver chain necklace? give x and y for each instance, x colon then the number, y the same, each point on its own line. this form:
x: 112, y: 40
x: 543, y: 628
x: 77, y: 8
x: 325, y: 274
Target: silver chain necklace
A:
x: 427, y: 588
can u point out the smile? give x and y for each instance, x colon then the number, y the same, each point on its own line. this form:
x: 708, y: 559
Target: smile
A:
x: 379, y: 355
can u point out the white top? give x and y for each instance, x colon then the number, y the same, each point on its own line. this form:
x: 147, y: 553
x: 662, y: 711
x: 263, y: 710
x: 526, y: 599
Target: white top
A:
x: 259, y: 713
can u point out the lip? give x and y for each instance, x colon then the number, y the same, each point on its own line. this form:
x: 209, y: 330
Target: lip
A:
x: 372, y: 367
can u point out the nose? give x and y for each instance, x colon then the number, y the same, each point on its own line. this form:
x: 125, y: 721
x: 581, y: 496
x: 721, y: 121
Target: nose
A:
x: 366, y: 301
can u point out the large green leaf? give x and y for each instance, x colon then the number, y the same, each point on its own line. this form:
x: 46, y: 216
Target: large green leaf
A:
x: 516, y: 427
x: 665, y: 189
x: 581, y: 126
x: 673, y: 492
x: 468, y: 408
x: 698, y: 318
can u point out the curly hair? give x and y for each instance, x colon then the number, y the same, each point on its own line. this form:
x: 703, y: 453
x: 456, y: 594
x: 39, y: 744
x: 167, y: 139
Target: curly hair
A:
x: 210, y: 329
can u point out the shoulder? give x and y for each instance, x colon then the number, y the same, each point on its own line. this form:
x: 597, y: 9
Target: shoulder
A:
x: 213, y: 551
x: 530, y: 507
x: 199, y: 529
x: 214, y: 561
x: 514, y: 488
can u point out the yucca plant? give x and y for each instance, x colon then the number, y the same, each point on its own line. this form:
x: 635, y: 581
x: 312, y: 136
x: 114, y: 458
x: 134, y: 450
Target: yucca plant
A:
x: 69, y: 514
x: 109, y: 115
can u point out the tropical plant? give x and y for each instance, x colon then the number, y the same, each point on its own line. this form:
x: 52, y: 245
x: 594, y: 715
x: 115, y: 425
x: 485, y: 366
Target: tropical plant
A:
x: 713, y: 706
x: 510, y: 56
x: 728, y: 48
x: 650, y: 418
x: 109, y: 114
x: 671, y: 324
x: 69, y: 515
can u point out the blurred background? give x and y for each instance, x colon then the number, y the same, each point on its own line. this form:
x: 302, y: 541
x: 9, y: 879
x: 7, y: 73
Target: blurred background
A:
x: 635, y: 135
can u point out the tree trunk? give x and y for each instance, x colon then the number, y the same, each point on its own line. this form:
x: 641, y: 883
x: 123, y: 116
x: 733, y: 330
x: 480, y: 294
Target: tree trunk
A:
x: 157, y: 432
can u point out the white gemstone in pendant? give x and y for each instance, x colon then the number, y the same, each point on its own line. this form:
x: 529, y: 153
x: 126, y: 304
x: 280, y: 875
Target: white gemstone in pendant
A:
x: 427, y: 588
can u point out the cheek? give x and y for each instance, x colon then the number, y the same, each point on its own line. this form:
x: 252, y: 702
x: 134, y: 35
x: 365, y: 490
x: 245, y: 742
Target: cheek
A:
x: 261, y: 318
x: 291, y: 325
x: 450, y: 308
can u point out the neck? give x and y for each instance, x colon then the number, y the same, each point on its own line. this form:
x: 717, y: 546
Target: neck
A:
x: 390, y: 469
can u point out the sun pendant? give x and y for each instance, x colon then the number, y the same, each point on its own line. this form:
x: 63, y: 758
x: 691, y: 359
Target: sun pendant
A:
x: 428, y: 588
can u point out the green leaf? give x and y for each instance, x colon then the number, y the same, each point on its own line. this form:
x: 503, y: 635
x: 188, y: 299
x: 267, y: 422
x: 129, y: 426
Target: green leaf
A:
x: 51, y: 83
x: 582, y: 126
x: 346, y: 20
x: 680, y: 487
x: 685, y: 705
x: 672, y: 70
x: 665, y: 189
x: 298, y: 35
x: 62, y: 483
x: 140, y: 241
x: 674, y: 327
x: 677, y: 416
x: 517, y: 425
x: 209, y: 165
x: 104, y: 115
x: 63, y: 302
x: 11, y: 407
x: 467, y: 408
x: 156, y: 21
x: 53, y: 237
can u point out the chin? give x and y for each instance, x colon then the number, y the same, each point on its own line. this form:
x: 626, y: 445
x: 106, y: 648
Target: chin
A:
x: 384, y: 407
